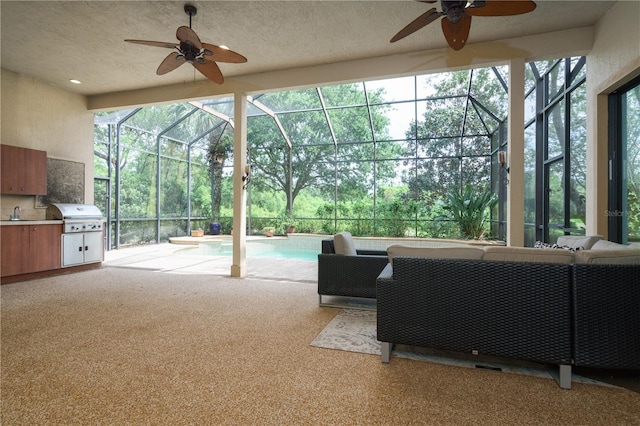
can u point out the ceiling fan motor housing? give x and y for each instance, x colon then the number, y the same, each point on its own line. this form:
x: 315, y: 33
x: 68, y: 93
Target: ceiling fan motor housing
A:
x: 189, y: 51
x: 454, y: 10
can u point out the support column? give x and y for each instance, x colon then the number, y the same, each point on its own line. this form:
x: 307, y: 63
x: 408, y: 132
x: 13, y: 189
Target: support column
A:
x: 239, y: 263
x: 597, y: 163
x: 515, y: 191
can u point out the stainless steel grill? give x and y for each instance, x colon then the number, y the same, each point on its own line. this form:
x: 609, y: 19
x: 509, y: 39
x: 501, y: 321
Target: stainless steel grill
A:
x: 76, y: 217
x: 82, y: 239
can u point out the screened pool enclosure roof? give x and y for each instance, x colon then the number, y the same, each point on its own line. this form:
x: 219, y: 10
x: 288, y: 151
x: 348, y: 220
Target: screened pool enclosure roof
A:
x: 401, y: 101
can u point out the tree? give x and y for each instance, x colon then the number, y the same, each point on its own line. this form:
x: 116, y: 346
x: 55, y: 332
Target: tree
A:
x: 633, y: 162
x: 315, y: 160
x: 219, y: 148
x: 451, y: 146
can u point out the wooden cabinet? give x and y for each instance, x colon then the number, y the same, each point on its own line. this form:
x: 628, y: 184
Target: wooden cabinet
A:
x: 24, y: 171
x: 30, y: 248
x: 14, y: 246
x: 45, y: 247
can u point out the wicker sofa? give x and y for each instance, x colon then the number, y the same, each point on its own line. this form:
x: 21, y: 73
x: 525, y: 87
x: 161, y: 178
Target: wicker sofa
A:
x: 344, y: 270
x: 543, y: 305
x: 347, y: 271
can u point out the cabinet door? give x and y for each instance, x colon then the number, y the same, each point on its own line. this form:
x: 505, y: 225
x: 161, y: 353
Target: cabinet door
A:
x: 35, y: 172
x: 24, y: 171
x: 12, y: 158
x: 73, y: 249
x: 44, y: 247
x: 93, y: 242
x: 14, y: 245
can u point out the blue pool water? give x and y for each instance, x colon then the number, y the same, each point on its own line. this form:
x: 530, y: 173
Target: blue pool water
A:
x: 254, y: 249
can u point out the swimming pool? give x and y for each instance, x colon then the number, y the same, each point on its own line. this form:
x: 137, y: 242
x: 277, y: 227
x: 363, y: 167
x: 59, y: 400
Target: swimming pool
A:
x: 299, y: 246
x: 254, y: 249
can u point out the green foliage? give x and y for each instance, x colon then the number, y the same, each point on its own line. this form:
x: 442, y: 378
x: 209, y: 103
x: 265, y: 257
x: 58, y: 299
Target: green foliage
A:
x: 326, y: 213
x: 361, y: 211
x: 469, y: 209
x: 633, y: 203
x: 396, y: 216
x: 430, y: 219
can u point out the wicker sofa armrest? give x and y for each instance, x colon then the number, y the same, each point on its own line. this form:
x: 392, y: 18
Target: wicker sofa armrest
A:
x: 329, y: 248
x: 353, y: 276
x: 606, y: 305
x: 371, y: 252
x: 386, y: 275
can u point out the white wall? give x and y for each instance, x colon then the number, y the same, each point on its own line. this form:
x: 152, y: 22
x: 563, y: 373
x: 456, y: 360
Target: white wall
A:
x: 613, y: 61
x: 39, y: 116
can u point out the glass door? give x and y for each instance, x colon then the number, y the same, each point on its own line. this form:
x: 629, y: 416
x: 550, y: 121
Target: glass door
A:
x: 624, y: 164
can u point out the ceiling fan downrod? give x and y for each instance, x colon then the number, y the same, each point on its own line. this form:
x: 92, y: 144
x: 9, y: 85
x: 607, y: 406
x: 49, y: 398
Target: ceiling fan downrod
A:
x: 190, y: 10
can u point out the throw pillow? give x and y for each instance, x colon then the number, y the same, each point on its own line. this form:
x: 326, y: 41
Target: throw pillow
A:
x: 543, y: 245
x: 586, y: 242
x: 343, y: 244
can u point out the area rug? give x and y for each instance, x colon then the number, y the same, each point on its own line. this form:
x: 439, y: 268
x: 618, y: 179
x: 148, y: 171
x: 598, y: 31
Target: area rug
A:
x: 354, y: 330
x: 351, y: 330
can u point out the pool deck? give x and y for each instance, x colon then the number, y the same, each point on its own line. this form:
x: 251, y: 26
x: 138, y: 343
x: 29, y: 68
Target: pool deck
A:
x: 194, y: 241
x: 166, y: 257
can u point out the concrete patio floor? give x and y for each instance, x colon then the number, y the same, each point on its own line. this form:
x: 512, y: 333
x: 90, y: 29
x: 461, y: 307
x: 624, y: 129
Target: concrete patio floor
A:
x: 174, y: 258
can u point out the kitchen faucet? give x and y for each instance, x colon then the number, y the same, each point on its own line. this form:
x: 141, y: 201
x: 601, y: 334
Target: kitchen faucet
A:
x: 15, y: 216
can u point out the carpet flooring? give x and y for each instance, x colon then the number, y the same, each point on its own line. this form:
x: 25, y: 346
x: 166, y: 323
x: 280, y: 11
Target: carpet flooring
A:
x: 133, y: 346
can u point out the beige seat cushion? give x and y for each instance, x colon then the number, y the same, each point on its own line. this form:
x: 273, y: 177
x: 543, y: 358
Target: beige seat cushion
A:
x: 343, y: 244
x: 578, y: 242
x: 527, y: 254
x: 462, y: 252
x: 609, y: 257
x: 609, y: 245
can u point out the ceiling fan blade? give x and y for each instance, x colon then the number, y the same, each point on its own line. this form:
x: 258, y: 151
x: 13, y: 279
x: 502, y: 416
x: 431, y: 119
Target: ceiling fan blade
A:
x: 170, y: 63
x: 154, y: 43
x: 457, y: 34
x: 421, y: 21
x: 502, y: 8
x: 220, y: 54
x: 210, y: 70
x: 187, y: 34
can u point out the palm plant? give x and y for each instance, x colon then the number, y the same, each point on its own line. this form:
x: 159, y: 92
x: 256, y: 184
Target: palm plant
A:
x: 470, y: 209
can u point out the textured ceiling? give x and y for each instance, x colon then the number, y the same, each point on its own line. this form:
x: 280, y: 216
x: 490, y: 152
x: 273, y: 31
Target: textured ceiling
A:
x: 55, y: 41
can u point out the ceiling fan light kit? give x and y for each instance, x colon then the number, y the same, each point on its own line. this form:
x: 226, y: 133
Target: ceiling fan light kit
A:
x: 456, y: 17
x: 202, y: 56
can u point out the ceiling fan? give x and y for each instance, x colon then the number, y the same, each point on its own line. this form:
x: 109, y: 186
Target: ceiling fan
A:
x: 456, y: 21
x: 202, y: 56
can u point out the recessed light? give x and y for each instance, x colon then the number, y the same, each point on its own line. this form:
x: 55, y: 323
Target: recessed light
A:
x: 74, y: 81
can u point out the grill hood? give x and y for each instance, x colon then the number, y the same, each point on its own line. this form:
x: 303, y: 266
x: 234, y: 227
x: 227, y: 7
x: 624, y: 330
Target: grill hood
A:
x: 63, y: 211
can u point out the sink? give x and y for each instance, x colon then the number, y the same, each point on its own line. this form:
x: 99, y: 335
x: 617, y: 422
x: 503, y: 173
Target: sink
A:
x: 14, y: 219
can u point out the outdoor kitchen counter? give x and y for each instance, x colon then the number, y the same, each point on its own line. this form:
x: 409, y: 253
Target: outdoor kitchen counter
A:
x: 30, y: 222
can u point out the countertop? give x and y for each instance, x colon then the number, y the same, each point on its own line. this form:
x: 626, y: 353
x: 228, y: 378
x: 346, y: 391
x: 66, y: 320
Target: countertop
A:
x: 30, y: 222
